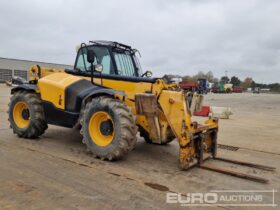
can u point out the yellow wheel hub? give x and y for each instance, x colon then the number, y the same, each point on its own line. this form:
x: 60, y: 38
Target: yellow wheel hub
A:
x: 21, y: 114
x: 101, y: 128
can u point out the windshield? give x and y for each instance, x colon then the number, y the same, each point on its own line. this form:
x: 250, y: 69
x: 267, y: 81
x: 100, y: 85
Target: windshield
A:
x: 102, y: 57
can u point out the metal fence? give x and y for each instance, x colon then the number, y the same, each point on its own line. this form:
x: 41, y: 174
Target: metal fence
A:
x: 7, y: 74
x: 20, y: 73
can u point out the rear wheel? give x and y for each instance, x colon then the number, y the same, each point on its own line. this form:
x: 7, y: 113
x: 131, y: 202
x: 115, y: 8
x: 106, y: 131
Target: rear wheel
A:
x: 26, y: 115
x: 108, y: 128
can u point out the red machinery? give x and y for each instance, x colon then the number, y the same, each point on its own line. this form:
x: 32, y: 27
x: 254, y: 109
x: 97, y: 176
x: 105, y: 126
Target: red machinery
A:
x: 189, y: 86
x: 204, y: 112
x: 237, y: 90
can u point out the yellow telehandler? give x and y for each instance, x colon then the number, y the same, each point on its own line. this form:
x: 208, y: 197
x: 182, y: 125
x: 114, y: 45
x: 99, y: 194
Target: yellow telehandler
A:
x: 108, y: 97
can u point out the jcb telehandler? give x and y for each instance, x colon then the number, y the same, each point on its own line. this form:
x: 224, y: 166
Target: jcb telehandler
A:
x: 109, y: 98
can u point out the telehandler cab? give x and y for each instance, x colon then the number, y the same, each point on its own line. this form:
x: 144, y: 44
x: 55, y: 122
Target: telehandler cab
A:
x: 108, y: 97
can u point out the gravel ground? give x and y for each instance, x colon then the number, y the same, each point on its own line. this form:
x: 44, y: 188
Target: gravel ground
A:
x: 55, y: 172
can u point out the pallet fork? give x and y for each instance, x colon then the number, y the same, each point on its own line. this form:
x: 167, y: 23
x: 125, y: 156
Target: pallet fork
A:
x: 201, y: 163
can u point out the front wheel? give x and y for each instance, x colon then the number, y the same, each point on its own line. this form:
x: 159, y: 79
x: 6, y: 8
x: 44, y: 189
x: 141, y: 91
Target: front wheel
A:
x: 108, y: 128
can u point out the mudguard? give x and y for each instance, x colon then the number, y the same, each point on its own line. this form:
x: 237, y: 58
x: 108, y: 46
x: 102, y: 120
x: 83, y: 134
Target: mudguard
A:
x: 78, y: 93
x: 29, y: 87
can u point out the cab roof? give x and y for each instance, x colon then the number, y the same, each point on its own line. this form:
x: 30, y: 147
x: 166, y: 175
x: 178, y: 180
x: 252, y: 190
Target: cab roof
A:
x: 110, y: 43
x: 107, y: 43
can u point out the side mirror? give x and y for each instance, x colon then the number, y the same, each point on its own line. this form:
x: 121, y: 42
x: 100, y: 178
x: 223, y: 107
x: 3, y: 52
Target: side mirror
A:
x: 90, y: 56
x: 147, y: 74
x: 98, y: 68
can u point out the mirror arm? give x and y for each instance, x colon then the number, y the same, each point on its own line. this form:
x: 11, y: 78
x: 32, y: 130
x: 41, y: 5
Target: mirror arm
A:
x: 144, y: 74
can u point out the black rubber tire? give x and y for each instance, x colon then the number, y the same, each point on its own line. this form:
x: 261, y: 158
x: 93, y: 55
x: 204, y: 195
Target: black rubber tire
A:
x: 124, y: 127
x: 37, y: 125
x: 145, y: 135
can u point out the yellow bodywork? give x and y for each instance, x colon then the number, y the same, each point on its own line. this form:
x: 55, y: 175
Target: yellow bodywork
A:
x: 52, y: 88
x: 36, y: 72
x: 172, y: 112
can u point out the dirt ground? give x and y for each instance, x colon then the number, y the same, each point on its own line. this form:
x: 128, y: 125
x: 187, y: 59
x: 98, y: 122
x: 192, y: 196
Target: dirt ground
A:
x: 55, y: 172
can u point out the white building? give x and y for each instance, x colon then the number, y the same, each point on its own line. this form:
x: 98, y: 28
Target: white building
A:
x: 16, y: 67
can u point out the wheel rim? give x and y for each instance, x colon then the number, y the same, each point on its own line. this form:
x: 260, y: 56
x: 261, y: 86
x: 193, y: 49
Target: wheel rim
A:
x: 21, y: 114
x: 101, y: 128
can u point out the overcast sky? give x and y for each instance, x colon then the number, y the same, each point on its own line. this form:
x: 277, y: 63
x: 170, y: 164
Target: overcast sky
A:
x: 174, y: 36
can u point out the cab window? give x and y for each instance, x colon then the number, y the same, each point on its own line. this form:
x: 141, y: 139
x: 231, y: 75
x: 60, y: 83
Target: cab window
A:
x: 124, y: 63
x: 102, y: 57
x: 82, y: 63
